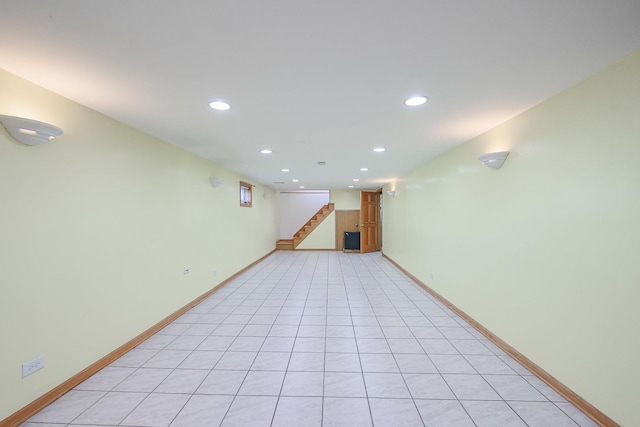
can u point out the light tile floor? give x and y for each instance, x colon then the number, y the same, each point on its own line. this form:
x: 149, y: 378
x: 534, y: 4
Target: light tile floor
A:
x: 315, y: 339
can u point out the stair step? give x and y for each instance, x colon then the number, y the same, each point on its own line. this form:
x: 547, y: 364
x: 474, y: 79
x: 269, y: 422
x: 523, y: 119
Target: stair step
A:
x: 284, y: 245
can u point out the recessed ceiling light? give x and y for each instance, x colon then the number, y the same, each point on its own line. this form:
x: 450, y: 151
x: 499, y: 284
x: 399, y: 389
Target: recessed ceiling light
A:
x: 302, y: 186
x: 295, y: 180
x: 284, y: 170
x: 379, y: 149
x: 415, y: 101
x: 351, y: 186
x: 355, y: 180
x: 220, y: 105
x: 364, y: 169
x: 266, y: 151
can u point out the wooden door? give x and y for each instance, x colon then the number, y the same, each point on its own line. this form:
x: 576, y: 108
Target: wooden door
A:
x: 369, y: 221
x: 345, y: 221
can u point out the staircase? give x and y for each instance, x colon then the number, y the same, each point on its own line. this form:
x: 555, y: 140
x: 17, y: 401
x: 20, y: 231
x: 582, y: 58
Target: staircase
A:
x: 305, y: 230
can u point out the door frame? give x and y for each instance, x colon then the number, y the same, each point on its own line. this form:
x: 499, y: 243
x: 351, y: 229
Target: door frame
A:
x: 378, y: 191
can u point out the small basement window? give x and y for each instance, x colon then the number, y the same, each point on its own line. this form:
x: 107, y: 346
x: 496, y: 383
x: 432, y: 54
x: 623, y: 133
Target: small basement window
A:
x: 245, y: 194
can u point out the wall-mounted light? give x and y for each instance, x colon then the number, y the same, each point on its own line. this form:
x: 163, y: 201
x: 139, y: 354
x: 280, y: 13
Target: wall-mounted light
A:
x: 29, y: 132
x: 216, y: 182
x: 494, y: 160
x: 391, y: 193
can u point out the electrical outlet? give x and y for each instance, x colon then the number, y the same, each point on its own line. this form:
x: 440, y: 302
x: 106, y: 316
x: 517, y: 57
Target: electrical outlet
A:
x: 32, y: 366
x: 215, y: 273
x: 186, y: 270
x: 431, y: 276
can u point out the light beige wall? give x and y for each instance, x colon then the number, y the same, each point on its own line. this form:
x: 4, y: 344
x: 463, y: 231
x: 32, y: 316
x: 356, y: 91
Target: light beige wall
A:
x: 545, y: 251
x: 346, y: 199
x: 95, y: 230
x: 324, y: 235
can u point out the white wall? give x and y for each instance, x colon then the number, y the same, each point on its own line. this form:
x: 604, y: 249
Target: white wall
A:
x: 95, y: 230
x: 296, y: 208
x: 543, y: 252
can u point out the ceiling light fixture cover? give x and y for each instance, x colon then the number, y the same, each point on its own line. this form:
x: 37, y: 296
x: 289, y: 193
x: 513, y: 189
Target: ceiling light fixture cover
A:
x: 220, y: 105
x: 416, y: 101
x: 266, y: 151
x: 379, y: 150
x: 494, y: 160
x: 29, y: 132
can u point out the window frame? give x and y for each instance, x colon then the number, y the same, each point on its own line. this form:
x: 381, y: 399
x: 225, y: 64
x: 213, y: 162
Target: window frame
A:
x: 246, y: 189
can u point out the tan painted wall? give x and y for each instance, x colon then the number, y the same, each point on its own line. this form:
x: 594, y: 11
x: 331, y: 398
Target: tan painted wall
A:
x: 95, y: 230
x: 545, y: 251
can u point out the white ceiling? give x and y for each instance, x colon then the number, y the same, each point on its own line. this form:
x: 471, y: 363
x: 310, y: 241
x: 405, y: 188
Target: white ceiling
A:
x: 319, y: 80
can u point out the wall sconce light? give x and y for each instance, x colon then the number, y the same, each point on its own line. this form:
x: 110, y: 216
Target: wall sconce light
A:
x: 494, y: 160
x: 216, y: 182
x: 29, y: 132
x: 391, y: 193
